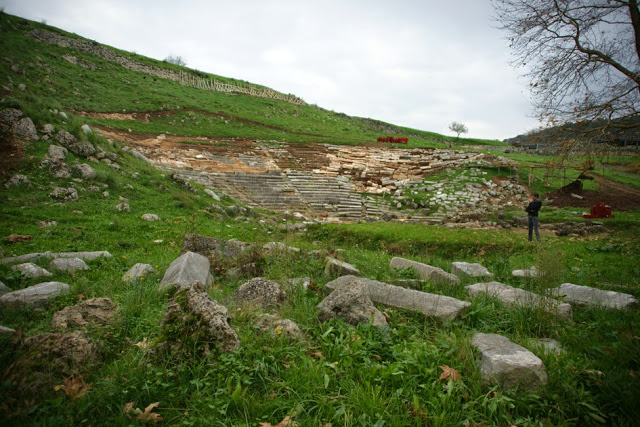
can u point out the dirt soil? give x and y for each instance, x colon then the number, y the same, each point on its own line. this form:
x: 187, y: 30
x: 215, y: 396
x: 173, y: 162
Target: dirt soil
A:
x: 11, y: 153
x: 619, y: 196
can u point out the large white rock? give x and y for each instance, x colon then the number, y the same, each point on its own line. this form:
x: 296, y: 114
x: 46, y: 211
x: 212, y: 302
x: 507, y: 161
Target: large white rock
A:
x: 425, y: 271
x: 336, y: 267
x: 31, y: 270
x: 187, y: 268
x: 507, y: 364
x: 34, y: 296
x: 68, y: 264
x: 585, y: 295
x: 519, y: 297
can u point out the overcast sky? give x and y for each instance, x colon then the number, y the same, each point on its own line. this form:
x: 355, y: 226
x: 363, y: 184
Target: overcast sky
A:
x: 415, y: 63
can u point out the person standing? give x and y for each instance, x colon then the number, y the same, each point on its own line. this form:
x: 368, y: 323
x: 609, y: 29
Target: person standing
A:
x: 532, y: 209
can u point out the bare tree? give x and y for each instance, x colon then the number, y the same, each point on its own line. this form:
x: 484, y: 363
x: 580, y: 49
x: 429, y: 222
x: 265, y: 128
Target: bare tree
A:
x: 175, y: 59
x: 458, y: 128
x: 582, y: 57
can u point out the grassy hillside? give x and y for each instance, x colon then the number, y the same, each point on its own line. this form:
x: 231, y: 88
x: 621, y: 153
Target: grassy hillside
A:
x: 337, y: 375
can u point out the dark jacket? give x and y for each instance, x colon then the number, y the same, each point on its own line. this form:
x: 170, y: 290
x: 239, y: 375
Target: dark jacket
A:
x: 534, y: 207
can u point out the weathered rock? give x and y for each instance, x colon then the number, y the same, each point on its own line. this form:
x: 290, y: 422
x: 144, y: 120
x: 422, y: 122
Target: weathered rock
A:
x: 10, y: 116
x: 68, y: 264
x: 521, y: 298
x: 18, y: 179
x: 278, y: 247
x: 150, y: 217
x: 31, y: 270
x: 59, y: 169
x: 530, y: 272
x: 278, y: 327
x: 46, y: 224
x: 4, y: 289
x: 292, y: 285
x: 84, y: 171
x: 82, y: 148
x: 45, y: 358
x: 138, y: 155
x: 431, y: 305
x: 585, y: 295
x: 25, y: 129
x: 138, y: 271
x: 212, y: 194
x: 123, y: 207
x: 466, y: 270
x: 86, y: 129
x: 48, y: 129
x: 260, y: 292
x: 193, y: 318
x: 188, y: 268
x: 64, y: 194
x: 34, y: 296
x: 57, y: 153
x: 352, y: 304
x: 210, y: 246
x: 97, y: 311
x: 336, y: 267
x: 425, y: 272
x: 507, y: 364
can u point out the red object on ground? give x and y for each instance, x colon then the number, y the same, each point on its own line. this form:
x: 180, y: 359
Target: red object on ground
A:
x: 393, y: 139
x: 600, y: 210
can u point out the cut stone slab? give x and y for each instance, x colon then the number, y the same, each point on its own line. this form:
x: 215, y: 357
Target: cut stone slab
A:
x: 34, y: 296
x: 31, y: 270
x: 87, y: 256
x: 431, y: 305
x: 519, y: 297
x: 425, y: 271
x: 186, y: 269
x: 529, y: 272
x: 585, y: 295
x: 466, y: 270
x: 68, y: 264
x: 352, y: 304
x: 97, y: 311
x: 137, y: 271
x: 507, y: 364
x: 336, y: 267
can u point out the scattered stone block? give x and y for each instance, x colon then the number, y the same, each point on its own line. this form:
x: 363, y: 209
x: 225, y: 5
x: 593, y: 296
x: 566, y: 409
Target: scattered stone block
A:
x: 278, y: 327
x: 193, y: 317
x: 210, y: 246
x: 186, y: 269
x: 352, y: 304
x: 31, y: 270
x: 34, y: 296
x: 260, y: 292
x: 466, y: 270
x: 529, y: 272
x: 212, y: 194
x: 336, y: 267
x: 137, y: 271
x: 123, y: 207
x: 68, y: 264
x: 507, y: 364
x: 425, y: 272
x: 150, y: 217
x: 521, y: 298
x: 278, y: 247
x: 97, y: 311
x: 84, y: 171
x: 64, y: 194
x: 431, y: 305
x: 585, y: 295
x: 548, y: 346
x: 25, y: 129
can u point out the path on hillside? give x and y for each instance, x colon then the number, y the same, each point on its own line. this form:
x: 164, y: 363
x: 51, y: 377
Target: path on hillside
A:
x: 615, y: 194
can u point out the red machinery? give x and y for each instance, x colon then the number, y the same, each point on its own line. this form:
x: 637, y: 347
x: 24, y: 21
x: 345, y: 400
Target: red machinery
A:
x: 393, y: 139
x: 600, y: 210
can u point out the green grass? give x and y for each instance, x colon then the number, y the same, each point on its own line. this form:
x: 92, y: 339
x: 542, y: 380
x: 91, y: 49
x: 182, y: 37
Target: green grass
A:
x: 339, y: 374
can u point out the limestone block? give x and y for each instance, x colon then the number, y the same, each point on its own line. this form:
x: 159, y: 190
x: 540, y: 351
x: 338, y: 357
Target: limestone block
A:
x: 186, y: 269
x: 585, y: 295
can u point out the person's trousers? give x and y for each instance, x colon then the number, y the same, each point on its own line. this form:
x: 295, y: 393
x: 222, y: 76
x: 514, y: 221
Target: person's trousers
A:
x: 533, y: 226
